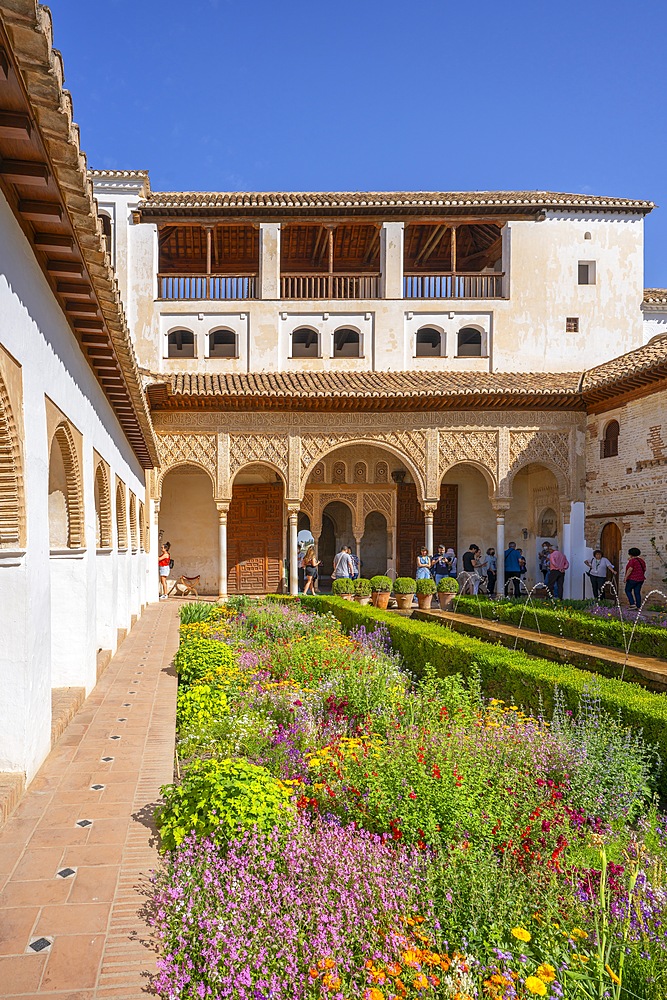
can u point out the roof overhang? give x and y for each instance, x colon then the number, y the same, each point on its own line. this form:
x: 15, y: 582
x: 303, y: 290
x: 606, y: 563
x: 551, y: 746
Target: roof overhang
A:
x: 43, y: 177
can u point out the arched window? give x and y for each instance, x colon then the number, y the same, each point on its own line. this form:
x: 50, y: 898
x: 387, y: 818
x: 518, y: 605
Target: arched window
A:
x: 222, y: 344
x: 347, y: 344
x: 430, y: 343
x: 11, y: 491
x: 469, y: 343
x: 143, y: 534
x: 134, y: 541
x: 305, y: 343
x: 108, y: 234
x: 609, y: 444
x: 121, y: 515
x: 181, y: 344
x: 66, y: 524
x: 104, y: 539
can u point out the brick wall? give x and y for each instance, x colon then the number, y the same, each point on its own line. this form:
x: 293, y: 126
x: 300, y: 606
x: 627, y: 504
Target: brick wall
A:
x: 630, y: 489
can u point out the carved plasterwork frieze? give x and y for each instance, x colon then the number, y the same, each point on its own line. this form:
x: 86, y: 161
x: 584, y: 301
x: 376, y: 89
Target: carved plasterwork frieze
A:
x: 545, y: 447
x: 477, y: 447
x: 185, y: 449
x: 246, y: 449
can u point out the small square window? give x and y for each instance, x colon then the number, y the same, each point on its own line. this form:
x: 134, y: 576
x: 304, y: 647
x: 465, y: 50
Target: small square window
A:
x: 572, y: 324
x: 586, y: 272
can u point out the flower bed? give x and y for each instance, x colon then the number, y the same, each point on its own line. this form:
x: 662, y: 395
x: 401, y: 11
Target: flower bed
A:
x: 341, y: 831
x: 598, y: 625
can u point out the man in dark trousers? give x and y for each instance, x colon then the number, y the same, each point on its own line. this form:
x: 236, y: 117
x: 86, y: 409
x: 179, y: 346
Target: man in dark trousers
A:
x: 512, y: 570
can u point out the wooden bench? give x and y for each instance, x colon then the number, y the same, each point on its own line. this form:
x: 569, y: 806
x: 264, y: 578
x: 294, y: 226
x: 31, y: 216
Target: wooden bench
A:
x: 185, y: 585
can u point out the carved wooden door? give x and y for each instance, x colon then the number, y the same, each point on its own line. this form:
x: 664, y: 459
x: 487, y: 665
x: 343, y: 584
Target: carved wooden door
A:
x: 411, y: 529
x: 255, y: 539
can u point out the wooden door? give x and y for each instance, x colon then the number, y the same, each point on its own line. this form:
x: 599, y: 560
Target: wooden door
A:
x: 255, y: 539
x: 611, y: 544
x: 410, y: 524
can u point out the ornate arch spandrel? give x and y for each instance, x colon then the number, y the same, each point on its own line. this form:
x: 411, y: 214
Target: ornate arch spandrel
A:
x: 103, y: 505
x: 408, y: 446
x: 64, y: 439
x: 258, y: 448
x: 12, y: 508
x: 536, y: 447
x: 199, y: 450
x: 476, y: 448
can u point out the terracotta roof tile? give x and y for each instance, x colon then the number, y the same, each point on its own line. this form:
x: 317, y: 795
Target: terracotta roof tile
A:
x: 644, y: 361
x: 382, y: 200
x: 655, y: 296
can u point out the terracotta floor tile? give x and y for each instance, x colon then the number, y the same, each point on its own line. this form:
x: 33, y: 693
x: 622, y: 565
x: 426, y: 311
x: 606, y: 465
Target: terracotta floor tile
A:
x: 40, y: 863
x: 15, y: 927
x: 73, y: 962
x: 37, y: 892
x: 95, y: 884
x: 46, y: 836
x: 85, y: 918
x: 9, y: 855
x: 93, y: 854
x: 22, y: 973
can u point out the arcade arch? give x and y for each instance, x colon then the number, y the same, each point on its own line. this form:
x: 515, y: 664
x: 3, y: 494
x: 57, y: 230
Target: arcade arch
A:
x: 66, y: 522
x: 12, y: 509
x: 103, y: 531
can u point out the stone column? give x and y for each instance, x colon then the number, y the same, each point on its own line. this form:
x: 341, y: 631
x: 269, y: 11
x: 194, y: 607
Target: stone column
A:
x: 429, y: 507
x: 391, y: 260
x: 269, y: 260
x: 501, y: 510
x: 293, y: 519
x: 223, y: 510
x: 567, y: 552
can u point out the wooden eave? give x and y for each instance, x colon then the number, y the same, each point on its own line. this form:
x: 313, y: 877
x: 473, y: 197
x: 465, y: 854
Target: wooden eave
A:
x: 43, y: 177
x: 598, y: 399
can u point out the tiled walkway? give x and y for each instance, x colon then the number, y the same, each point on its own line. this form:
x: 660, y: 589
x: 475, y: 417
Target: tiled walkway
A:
x: 76, y: 853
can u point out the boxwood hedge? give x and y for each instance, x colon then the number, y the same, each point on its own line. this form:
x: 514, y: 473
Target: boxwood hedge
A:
x: 647, y: 640
x: 509, y: 674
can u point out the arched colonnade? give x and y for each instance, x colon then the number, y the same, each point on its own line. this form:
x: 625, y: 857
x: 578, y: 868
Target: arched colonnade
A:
x: 504, y: 477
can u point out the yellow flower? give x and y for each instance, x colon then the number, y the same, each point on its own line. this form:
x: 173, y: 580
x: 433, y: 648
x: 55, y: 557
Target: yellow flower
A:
x: 536, y: 986
x: 614, y: 978
x: 420, y: 982
x: 521, y: 933
x: 546, y: 972
x: 578, y: 933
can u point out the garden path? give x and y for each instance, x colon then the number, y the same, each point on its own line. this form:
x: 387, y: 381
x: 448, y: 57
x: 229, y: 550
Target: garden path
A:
x: 649, y: 671
x: 76, y: 853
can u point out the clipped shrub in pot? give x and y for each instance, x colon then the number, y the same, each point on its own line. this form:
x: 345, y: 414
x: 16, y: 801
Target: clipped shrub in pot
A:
x: 380, y: 590
x: 362, y: 591
x: 447, y: 587
x: 344, y: 587
x: 425, y: 592
x: 404, y: 590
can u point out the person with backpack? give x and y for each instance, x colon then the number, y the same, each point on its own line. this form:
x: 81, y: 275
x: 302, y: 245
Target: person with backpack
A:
x: 165, y: 564
x: 635, y: 574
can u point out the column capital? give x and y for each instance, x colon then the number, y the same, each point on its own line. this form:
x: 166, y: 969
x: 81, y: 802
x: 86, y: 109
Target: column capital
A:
x: 293, y: 508
x: 223, y: 509
x: 429, y: 507
x: 500, y: 507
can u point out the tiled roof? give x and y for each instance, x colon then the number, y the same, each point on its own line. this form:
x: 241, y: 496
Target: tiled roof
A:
x: 655, y: 296
x: 336, y: 390
x: 384, y: 200
x: 648, y: 362
x: 30, y: 32
x: 119, y: 173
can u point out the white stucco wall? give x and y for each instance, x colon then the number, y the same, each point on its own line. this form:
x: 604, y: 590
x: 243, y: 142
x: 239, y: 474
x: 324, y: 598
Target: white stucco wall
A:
x: 52, y: 618
x: 524, y: 332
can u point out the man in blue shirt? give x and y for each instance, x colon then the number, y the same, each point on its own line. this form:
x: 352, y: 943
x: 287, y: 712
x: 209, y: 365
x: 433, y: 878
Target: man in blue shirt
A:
x: 512, y: 570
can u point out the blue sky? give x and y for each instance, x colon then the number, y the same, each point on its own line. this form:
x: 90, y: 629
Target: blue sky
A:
x: 376, y: 95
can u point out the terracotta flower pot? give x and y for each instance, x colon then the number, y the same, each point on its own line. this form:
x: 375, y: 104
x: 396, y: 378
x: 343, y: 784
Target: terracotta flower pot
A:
x: 445, y: 601
x: 404, y: 601
x: 425, y: 601
x: 380, y: 600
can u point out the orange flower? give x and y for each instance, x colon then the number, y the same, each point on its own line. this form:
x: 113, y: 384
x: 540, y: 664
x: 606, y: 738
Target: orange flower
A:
x: 420, y: 982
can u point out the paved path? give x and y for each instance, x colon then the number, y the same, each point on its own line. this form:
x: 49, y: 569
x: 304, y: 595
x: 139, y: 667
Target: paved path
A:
x: 649, y: 671
x: 76, y: 853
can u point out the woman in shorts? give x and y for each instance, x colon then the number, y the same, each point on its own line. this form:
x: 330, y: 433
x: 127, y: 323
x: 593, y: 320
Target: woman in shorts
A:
x: 310, y: 565
x: 164, y: 565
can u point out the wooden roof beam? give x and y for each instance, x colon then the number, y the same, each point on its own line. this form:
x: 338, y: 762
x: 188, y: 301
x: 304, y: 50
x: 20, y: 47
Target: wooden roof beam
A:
x: 430, y: 245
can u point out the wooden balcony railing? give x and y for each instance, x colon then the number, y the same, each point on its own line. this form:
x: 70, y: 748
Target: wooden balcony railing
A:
x: 330, y: 286
x: 453, y: 286
x: 206, y: 286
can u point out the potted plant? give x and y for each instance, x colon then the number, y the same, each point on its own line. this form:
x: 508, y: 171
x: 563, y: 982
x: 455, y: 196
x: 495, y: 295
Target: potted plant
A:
x: 362, y: 591
x: 344, y: 587
x: 380, y: 591
x: 447, y: 587
x: 404, y: 590
x: 425, y: 592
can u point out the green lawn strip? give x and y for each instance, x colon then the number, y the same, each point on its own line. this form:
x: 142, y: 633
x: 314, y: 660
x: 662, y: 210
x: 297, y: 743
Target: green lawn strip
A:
x: 513, y: 675
x: 647, y: 640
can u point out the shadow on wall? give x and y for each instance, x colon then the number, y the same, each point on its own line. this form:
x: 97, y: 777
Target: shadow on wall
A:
x: 189, y: 520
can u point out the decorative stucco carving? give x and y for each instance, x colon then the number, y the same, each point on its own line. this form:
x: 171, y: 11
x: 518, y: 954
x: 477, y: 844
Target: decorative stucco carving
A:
x: 381, y: 472
x: 317, y: 475
x: 470, y: 446
x: 64, y: 438
x: 550, y: 448
x: 409, y: 445
x: 183, y: 449
x: 104, y: 538
x: 12, y: 509
x: 339, y: 473
x: 360, y: 472
x: 246, y: 449
x: 121, y: 514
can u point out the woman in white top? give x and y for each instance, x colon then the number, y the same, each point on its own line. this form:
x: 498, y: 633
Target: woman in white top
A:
x: 597, y: 571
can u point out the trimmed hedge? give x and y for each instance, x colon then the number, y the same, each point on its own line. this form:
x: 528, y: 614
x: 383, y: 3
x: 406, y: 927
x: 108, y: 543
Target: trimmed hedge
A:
x: 512, y: 675
x: 648, y: 640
